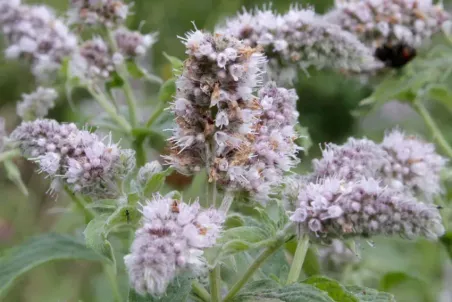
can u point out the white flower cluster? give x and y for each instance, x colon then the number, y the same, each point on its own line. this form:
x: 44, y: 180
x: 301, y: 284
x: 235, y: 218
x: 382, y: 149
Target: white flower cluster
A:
x: 171, y: 239
x: 333, y: 209
x: 299, y: 38
x: 34, y: 32
x: 73, y: 157
x: 37, y: 104
x: 413, y: 165
x: 93, y: 60
x: 402, y: 162
x: 389, y: 22
x: 132, y: 43
x: 246, y: 142
x: 94, y: 12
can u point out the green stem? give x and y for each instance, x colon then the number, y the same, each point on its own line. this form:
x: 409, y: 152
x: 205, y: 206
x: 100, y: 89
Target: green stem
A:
x: 156, y: 114
x: 200, y: 291
x: 9, y: 154
x: 110, y: 109
x: 140, y: 152
x: 270, y: 250
x: 214, y: 280
x: 109, y: 270
x: 436, y: 132
x: 81, y: 204
x: 130, y: 98
x: 297, y: 262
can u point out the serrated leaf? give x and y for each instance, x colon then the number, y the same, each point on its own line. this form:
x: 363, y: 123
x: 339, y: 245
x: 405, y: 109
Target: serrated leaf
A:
x: 177, y: 291
x: 39, y: 250
x: 291, y: 293
x: 335, y: 290
x: 365, y: 294
x: 167, y: 91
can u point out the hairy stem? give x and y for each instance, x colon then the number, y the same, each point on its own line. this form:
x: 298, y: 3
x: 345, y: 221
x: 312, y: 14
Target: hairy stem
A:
x: 110, y: 272
x: 435, y: 131
x: 270, y: 250
x: 200, y: 291
x: 140, y: 152
x: 110, y: 109
x: 214, y: 280
x: 297, y: 262
x: 9, y: 154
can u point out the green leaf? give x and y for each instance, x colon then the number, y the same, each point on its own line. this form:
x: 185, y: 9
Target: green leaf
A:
x: 96, y: 236
x: 304, y: 140
x: 441, y: 93
x: 249, y: 234
x: 177, y: 291
x: 446, y: 240
x: 335, y: 290
x: 134, y: 70
x: 365, y: 294
x: 291, y: 293
x: 235, y: 246
x: 39, y: 250
x: 167, y: 90
x: 115, y: 82
x: 13, y: 174
x: 176, y: 63
x: 156, y: 182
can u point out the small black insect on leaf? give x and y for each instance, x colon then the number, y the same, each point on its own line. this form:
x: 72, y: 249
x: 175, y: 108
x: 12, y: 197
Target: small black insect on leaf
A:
x: 395, y: 56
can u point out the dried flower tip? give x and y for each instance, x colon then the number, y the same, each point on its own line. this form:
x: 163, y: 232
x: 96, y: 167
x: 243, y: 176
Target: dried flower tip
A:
x: 110, y: 13
x: 333, y: 209
x: 413, y: 165
x: 37, y: 104
x: 171, y: 239
x: 79, y: 159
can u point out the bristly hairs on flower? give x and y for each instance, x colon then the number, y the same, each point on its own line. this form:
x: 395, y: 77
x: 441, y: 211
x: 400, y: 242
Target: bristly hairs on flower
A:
x: 37, y: 104
x: 76, y: 158
x: 172, y: 238
x: 300, y: 37
x: 34, y: 32
x: 133, y: 44
x: 332, y: 209
x: 148, y: 170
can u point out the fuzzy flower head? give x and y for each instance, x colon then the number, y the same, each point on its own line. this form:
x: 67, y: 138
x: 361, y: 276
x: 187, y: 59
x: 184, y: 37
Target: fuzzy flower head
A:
x: 335, y: 209
x: 355, y: 159
x: 110, y: 13
x: 300, y: 38
x: 385, y: 24
x: 412, y: 165
x: 37, y: 104
x: 79, y: 159
x: 93, y: 60
x: 132, y: 43
x: 171, y: 239
x: 35, y: 33
x: 148, y: 170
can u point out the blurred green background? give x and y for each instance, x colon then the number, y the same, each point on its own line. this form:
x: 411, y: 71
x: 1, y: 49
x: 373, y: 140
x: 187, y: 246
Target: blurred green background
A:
x: 326, y: 103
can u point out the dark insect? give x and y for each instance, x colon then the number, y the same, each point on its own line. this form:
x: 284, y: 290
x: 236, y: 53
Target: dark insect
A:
x: 127, y: 216
x: 395, y: 56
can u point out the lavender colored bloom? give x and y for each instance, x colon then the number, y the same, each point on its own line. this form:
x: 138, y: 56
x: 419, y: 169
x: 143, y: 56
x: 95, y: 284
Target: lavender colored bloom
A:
x: 171, y: 239
x: 37, y: 104
x: 35, y: 33
x: 333, y: 209
x: 132, y: 43
x: 299, y: 38
x: 77, y: 158
x: 94, y: 12
x: 413, y: 165
x: 383, y: 22
x: 355, y: 159
x: 93, y: 60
